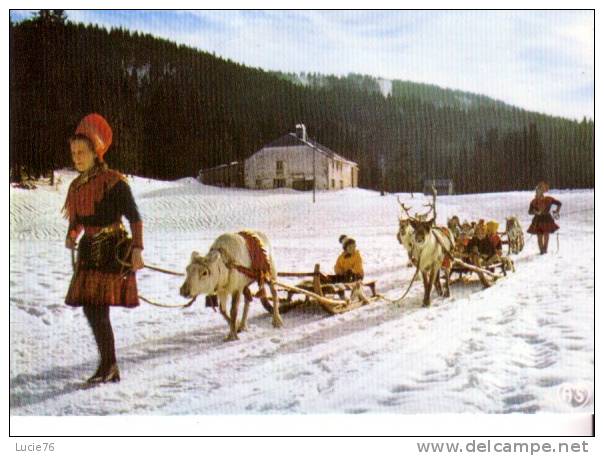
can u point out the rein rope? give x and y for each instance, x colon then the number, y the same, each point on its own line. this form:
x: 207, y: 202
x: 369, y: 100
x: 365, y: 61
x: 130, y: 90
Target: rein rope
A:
x: 450, y: 255
x: 147, y: 266
x: 417, y: 271
x: 392, y: 301
x: 167, y: 306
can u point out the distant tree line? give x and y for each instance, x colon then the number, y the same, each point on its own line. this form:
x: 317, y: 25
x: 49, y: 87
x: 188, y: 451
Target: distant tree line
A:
x: 175, y: 110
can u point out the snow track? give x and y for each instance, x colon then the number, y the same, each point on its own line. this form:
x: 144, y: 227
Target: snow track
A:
x: 508, y: 349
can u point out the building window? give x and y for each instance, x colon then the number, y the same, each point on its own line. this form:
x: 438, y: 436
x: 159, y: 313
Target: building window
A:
x: 278, y: 183
x: 279, y: 167
x: 333, y: 183
x: 258, y: 183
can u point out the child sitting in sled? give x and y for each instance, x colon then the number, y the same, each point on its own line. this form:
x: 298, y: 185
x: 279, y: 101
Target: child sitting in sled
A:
x: 349, y: 265
x: 480, y: 250
x: 463, y: 239
x: 485, y: 242
x: 497, y: 244
x: 495, y: 241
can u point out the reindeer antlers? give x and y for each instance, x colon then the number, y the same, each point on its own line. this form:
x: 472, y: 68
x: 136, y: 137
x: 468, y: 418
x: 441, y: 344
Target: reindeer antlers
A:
x: 431, y: 205
x: 403, y: 207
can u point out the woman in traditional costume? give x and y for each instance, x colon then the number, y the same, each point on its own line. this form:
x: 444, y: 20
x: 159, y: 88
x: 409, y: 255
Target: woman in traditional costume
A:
x: 104, y: 274
x: 543, y: 223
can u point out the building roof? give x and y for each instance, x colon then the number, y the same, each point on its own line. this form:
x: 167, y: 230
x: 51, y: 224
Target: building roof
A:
x: 291, y: 139
x: 214, y: 168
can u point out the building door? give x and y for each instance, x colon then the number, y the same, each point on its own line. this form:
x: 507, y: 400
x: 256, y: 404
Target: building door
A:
x: 302, y: 184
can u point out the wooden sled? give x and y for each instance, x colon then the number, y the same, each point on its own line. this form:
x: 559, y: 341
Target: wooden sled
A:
x: 334, y: 298
x: 494, y: 271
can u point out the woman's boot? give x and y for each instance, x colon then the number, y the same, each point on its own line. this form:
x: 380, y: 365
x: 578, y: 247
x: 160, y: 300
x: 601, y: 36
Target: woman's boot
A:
x: 112, y: 374
x: 98, y: 318
x: 97, y: 377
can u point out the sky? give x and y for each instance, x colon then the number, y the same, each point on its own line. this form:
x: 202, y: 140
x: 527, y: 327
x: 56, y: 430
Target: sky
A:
x: 538, y: 60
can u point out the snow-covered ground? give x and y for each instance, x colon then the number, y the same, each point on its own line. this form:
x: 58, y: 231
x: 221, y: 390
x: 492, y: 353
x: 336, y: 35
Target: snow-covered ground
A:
x: 511, y: 348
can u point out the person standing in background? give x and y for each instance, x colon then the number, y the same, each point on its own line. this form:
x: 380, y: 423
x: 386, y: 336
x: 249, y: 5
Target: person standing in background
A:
x: 543, y: 223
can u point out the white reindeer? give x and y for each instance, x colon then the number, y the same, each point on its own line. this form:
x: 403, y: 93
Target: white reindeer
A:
x: 515, y: 235
x: 220, y: 273
x: 405, y: 235
x: 429, y: 248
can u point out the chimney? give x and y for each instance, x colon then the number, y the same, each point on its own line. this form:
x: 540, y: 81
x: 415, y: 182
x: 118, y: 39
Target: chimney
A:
x: 301, y: 132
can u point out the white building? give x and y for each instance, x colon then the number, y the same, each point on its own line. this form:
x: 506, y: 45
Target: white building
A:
x: 294, y: 160
x: 442, y: 186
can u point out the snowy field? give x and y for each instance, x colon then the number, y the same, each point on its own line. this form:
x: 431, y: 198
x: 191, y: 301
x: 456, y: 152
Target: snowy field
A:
x: 511, y: 348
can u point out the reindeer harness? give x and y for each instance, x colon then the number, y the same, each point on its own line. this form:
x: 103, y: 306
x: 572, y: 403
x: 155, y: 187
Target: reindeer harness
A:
x: 448, y: 256
x: 260, y: 269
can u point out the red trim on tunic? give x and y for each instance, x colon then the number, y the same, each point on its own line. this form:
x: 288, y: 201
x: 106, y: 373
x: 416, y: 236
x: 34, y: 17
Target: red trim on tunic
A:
x: 85, y: 192
x: 75, y: 231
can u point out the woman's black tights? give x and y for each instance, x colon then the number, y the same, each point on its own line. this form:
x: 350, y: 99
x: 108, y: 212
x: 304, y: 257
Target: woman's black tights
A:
x: 98, y: 318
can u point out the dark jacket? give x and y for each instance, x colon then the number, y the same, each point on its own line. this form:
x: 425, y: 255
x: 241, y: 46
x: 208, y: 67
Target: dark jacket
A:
x: 95, y: 204
x: 484, y: 246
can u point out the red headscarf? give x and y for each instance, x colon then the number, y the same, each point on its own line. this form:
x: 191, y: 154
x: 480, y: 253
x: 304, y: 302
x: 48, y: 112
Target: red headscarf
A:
x: 97, y: 129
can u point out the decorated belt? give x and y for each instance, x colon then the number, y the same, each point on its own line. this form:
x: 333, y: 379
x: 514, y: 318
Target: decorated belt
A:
x: 103, y: 230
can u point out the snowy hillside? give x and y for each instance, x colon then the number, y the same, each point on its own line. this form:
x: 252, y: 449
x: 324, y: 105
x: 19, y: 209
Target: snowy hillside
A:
x: 510, y: 348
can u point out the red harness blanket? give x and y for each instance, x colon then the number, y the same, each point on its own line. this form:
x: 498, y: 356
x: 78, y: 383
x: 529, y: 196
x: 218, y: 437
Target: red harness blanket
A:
x: 260, y: 269
x: 447, y: 260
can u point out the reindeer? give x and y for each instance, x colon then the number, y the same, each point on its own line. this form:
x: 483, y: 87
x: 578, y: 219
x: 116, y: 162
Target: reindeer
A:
x: 228, y: 270
x: 430, y: 248
x: 405, y: 235
x: 515, y: 235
